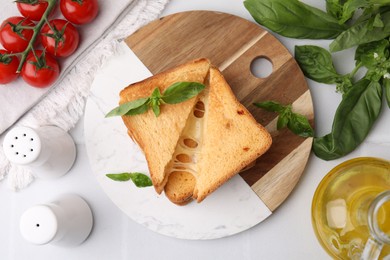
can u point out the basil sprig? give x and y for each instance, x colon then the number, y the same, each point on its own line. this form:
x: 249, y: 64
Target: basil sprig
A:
x: 297, y: 123
x: 176, y: 93
x: 139, y: 179
x: 362, y: 101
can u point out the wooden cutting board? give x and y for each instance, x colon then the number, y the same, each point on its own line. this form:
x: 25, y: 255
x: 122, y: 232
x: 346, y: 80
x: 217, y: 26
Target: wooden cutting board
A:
x: 232, y: 43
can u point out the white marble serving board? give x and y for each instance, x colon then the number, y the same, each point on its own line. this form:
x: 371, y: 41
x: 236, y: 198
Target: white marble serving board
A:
x: 233, y: 208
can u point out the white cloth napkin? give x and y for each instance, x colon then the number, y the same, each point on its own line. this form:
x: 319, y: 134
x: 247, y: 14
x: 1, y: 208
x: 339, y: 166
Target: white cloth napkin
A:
x: 63, y: 103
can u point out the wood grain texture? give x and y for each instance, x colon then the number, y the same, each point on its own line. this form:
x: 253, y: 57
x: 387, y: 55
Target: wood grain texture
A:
x: 232, y: 43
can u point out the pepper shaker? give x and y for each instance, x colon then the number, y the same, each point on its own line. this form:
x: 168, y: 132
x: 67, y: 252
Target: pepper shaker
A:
x: 65, y: 222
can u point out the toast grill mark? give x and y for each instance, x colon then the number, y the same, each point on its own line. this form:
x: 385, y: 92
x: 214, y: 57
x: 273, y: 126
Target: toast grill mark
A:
x: 188, y: 148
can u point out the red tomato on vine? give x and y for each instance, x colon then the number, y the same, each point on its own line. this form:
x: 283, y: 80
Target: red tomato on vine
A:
x: 15, y: 33
x: 8, y: 67
x: 79, y: 11
x: 40, y: 69
x: 60, y: 38
x: 32, y: 9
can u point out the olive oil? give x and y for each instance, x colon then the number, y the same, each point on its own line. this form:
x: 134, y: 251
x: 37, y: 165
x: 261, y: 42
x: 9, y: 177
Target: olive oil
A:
x: 341, y: 202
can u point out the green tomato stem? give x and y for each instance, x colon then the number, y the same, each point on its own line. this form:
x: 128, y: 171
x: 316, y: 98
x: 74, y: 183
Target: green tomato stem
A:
x: 80, y: 2
x: 37, y: 30
x: 26, y: 27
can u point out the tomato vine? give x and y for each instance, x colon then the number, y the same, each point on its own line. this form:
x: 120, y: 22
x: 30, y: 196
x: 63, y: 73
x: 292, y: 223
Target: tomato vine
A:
x: 19, y: 35
x: 37, y: 29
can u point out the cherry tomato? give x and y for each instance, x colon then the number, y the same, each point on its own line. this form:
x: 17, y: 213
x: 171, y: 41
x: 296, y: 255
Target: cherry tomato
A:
x: 8, y: 67
x: 33, y: 11
x: 79, y: 11
x: 60, y: 39
x: 40, y: 71
x: 14, y: 38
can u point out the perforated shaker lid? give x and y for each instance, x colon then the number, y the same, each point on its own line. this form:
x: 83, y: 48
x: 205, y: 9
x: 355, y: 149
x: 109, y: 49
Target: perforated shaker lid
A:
x: 22, y: 145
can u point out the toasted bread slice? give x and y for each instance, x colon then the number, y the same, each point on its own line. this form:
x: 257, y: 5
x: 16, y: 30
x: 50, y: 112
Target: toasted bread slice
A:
x: 232, y: 140
x: 158, y: 136
x: 220, y: 138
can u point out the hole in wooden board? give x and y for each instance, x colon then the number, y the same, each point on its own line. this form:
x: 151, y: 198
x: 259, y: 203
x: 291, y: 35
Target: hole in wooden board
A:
x: 190, y: 143
x: 184, y: 158
x: 261, y: 67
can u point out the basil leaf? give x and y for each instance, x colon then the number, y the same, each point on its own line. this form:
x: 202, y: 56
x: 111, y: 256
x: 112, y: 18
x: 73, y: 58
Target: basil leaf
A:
x: 119, y: 176
x: 326, y: 148
x: 139, y: 110
x: 155, y: 101
x: 386, y: 86
x: 362, y: 32
x: 299, y: 125
x: 334, y: 8
x: 127, y: 107
x: 141, y: 180
x: 294, y: 19
x: 156, y: 93
x: 353, y: 120
x: 378, y: 21
x: 316, y: 63
x: 156, y: 107
x: 270, y: 106
x: 181, y: 91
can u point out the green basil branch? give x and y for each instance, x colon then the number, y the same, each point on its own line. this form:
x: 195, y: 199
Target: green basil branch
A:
x: 370, y: 31
x: 176, y: 93
x: 362, y: 101
x: 298, y: 124
x: 36, y: 29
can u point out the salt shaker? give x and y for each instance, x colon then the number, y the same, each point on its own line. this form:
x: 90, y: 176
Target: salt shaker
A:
x: 48, y: 149
x: 65, y: 222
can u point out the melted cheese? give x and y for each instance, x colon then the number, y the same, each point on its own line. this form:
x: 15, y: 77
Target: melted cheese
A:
x: 187, y: 150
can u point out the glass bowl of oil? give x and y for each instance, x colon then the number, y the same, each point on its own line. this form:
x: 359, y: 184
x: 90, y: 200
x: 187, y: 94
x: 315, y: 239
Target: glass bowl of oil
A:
x: 341, y: 202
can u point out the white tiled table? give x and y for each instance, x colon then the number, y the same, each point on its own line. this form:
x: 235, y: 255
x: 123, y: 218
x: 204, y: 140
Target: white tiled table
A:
x: 287, y: 234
